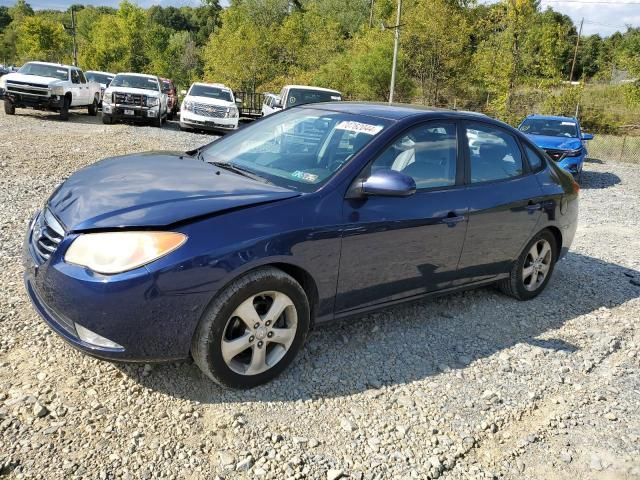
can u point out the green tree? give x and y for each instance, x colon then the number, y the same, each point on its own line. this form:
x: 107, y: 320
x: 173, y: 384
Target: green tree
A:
x: 40, y: 38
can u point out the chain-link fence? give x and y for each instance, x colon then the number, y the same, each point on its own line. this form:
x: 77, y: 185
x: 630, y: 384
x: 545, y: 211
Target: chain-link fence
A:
x: 615, y: 148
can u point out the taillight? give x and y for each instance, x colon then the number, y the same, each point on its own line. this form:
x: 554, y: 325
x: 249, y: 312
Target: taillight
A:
x: 576, y: 186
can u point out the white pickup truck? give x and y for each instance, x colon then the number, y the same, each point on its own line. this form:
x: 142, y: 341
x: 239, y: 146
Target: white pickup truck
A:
x: 49, y: 86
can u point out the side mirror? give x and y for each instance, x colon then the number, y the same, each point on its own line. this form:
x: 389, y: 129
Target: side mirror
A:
x: 388, y: 183
x: 587, y: 136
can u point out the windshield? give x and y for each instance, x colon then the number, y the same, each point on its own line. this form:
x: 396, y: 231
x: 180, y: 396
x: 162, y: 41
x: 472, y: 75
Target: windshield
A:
x: 550, y: 127
x: 299, y: 96
x: 99, y: 77
x: 300, y: 149
x: 211, y: 92
x: 52, y: 71
x: 134, y: 81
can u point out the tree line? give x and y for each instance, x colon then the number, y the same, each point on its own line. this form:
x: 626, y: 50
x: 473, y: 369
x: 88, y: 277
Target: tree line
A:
x: 452, y: 52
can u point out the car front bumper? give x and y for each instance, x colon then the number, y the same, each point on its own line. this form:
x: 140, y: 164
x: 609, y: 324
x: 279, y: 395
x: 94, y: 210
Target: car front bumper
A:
x: 145, y: 321
x: 52, y: 102
x: 130, y: 113
x: 191, y: 120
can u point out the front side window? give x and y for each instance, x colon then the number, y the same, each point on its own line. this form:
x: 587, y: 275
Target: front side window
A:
x: 82, y: 77
x: 135, y: 81
x: 300, y: 149
x: 494, y: 154
x: 427, y: 153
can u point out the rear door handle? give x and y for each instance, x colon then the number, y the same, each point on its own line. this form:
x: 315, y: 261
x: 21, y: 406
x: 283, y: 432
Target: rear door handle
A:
x: 532, y: 207
x: 452, y: 219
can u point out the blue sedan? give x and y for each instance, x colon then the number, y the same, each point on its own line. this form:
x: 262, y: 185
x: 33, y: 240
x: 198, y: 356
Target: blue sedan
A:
x: 231, y: 253
x: 562, y: 139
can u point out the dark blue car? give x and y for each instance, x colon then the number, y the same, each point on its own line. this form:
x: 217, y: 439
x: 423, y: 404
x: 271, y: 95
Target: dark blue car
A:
x: 562, y: 139
x: 231, y: 253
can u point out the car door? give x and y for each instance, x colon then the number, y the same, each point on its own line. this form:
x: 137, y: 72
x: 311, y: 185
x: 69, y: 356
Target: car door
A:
x: 505, y: 202
x: 78, y: 95
x: 87, y: 94
x: 398, y: 247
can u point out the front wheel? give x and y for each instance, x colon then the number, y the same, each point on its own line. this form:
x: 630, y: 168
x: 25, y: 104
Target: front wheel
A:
x: 253, y: 330
x: 64, y: 108
x: 532, y: 271
x: 9, y: 107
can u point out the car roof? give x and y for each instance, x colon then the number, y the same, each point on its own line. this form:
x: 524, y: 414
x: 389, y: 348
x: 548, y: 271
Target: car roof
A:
x: 310, y: 87
x: 98, y: 71
x: 553, y: 117
x: 394, y: 111
x: 54, y: 65
x: 144, y: 75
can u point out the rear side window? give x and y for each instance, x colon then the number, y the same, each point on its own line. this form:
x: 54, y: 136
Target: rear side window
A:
x: 427, y: 153
x: 75, y: 78
x: 493, y: 153
x: 534, y: 158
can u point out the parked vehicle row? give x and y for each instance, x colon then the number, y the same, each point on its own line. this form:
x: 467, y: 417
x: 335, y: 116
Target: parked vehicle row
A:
x: 49, y: 86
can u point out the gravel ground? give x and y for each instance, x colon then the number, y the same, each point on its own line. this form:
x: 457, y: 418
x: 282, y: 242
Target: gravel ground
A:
x: 474, y: 385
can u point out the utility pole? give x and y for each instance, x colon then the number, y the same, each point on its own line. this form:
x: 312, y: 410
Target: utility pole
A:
x: 72, y: 30
x: 396, y: 43
x: 371, y: 15
x: 575, y: 52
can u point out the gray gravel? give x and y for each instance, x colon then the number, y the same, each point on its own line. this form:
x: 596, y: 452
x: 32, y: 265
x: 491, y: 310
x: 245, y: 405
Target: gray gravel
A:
x: 474, y: 385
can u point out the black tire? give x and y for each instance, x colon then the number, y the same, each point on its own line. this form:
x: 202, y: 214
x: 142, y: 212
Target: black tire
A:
x: 170, y: 116
x: 93, y: 108
x: 9, y: 107
x: 107, y: 119
x: 514, y: 285
x: 64, y: 108
x: 206, y: 345
x: 157, y: 122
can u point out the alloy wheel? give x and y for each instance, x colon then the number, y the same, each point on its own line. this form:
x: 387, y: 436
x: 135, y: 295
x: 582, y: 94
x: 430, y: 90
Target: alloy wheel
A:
x: 537, y: 264
x: 259, y: 333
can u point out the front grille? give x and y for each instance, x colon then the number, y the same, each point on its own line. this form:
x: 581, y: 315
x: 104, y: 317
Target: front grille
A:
x: 555, y: 155
x: 46, y: 235
x: 27, y: 88
x: 209, y: 110
x: 130, y: 99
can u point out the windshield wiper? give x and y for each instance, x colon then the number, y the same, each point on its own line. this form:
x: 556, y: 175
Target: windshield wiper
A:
x: 237, y: 169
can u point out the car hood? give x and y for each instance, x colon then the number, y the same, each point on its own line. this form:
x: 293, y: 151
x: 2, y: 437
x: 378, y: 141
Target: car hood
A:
x: 560, y: 143
x: 208, y: 101
x: 37, y: 79
x: 137, y: 91
x: 153, y: 189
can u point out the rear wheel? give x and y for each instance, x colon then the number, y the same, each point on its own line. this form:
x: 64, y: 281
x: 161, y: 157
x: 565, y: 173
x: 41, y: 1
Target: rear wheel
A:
x: 93, y: 108
x: 9, y: 107
x: 252, y: 331
x: 532, y: 271
x: 107, y: 119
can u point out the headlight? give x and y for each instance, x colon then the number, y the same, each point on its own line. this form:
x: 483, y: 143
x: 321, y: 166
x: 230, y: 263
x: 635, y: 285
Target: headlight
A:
x: 574, y: 153
x: 57, y: 90
x: 116, y: 252
x: 232, y: 112
x: 106, y: 97
x: 187, y: 105
x: 3, y: 82
x: 152, y: 101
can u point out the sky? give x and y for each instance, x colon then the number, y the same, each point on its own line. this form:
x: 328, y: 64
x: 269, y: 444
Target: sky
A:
x: 600, y: 16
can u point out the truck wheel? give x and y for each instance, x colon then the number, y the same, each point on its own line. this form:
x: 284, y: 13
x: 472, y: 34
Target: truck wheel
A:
x: 64, y: 109
x: 107, y: 119
x: 157, y: 122
x: 93, y: 108
x: 9, y: 107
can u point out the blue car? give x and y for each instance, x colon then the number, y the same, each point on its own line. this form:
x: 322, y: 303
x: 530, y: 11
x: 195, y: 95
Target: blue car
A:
x: 562, y: 139
x: 231, y: 253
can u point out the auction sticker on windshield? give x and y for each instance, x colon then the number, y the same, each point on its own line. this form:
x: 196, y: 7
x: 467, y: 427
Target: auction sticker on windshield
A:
x: 307, y: 177
x: 359, y: 127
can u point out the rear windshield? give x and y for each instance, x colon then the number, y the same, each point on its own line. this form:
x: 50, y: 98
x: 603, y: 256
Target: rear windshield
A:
x: 52, y: 71
x: 302, y: 96
x: 99, y: 77
x: 211, y: 92
x: 134, y: 81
